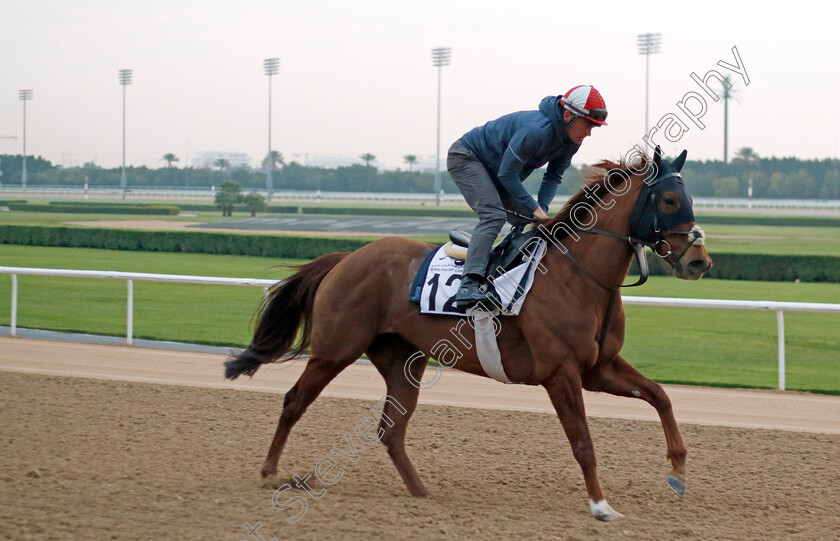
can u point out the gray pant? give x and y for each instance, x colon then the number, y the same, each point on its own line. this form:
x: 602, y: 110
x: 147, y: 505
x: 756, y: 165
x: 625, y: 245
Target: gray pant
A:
x: 481, y: 195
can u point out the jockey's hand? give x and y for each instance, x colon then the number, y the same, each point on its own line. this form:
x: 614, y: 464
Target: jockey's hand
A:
x: 541, y: 217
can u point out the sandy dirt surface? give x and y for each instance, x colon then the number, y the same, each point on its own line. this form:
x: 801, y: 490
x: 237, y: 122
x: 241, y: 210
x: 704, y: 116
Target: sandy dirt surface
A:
x: 801, y: 412
x: 124, y: 456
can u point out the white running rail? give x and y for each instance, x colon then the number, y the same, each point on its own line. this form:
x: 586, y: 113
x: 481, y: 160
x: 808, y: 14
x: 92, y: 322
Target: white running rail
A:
x: 129, y: 277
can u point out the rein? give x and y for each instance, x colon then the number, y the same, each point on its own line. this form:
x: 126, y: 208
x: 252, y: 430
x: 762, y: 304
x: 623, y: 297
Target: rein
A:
x: 695, y: 237
x: 644, y: 271
x: 646, y: 205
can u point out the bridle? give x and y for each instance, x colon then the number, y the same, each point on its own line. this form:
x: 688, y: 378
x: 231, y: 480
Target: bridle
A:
x: 655, y: 238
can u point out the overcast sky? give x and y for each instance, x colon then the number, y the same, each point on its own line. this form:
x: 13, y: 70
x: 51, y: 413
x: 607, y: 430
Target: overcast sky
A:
x: 356, y: 77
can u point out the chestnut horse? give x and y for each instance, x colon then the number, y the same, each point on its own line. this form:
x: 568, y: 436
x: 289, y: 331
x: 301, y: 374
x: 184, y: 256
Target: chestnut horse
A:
x: 566, y: 338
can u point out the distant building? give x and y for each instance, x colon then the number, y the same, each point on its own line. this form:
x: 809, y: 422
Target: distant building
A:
x: 426, y: 163
x: 331, y: 162
x: 206, y: 159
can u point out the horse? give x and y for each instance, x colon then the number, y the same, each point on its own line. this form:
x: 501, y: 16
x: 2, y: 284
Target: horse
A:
x: 566, y: 338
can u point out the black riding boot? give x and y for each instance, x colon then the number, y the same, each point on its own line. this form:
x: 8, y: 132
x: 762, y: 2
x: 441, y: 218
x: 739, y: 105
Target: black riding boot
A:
x: 476, y: 289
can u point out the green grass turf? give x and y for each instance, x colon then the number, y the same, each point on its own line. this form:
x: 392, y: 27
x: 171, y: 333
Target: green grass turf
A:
x: 699, y: 346
x: 734, y: 347
x: 184, y: 312
x: 772, y: 240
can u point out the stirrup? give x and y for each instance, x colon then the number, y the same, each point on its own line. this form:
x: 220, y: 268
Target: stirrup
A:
x: 488, y: 296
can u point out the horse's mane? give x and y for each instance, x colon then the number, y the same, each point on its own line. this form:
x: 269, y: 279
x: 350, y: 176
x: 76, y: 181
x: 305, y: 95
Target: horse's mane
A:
x: 595, y: 184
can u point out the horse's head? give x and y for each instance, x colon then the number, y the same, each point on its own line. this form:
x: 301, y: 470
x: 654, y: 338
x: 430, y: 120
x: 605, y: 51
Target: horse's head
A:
x: 663, y: 215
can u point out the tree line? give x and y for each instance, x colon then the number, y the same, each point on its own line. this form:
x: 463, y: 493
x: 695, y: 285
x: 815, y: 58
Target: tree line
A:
x: 788, y: 178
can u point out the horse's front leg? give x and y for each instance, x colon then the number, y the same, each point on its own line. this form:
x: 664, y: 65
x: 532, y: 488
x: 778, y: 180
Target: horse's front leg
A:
x: 564, y: 389
x: 620, y: 378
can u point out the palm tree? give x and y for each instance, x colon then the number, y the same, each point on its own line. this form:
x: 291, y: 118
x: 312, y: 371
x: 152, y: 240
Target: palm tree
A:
x: 275, y: 158
x: 222, y: 164
x: 227, y: 197
x: 170, y: 158
x: 254, y: 202
x: 367, y: 157
x: 745, y: 155
x: 410, y: 159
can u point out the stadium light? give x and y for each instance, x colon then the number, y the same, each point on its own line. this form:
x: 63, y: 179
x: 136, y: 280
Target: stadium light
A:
x: 272, y: 67
x: 648, y: 44
x: 125, y: 80
x: 440, y: 57
x: 24, y: 95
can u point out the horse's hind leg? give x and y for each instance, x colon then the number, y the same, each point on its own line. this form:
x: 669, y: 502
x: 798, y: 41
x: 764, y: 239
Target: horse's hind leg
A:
x: 620, y: 378
x: 390, y: 353
x: 318, y: 373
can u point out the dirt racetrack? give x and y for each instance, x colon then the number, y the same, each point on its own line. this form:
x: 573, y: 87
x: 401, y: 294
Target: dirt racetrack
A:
x: 84, y: 458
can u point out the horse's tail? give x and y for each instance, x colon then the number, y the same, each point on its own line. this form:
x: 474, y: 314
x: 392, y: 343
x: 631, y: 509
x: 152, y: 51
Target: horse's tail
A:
x: 287, y: 305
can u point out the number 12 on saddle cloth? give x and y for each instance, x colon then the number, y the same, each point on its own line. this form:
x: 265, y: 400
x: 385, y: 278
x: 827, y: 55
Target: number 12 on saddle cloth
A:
x: 439, y: 277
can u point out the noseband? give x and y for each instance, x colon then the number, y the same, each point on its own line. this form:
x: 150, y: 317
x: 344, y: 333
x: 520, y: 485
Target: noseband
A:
x: 694, y: 237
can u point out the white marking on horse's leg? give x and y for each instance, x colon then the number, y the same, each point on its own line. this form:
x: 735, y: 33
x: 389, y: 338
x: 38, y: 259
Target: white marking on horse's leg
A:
x: 602, y: 511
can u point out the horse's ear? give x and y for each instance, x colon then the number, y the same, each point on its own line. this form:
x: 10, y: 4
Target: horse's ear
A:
x: 657, y: 156
x: 680, y: 161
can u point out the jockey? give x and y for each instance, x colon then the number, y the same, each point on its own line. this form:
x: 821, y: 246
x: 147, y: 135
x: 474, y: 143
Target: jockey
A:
x: 490, y: 162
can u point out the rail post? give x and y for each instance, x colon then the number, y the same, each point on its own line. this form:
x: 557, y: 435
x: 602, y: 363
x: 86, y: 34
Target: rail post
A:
x: 780, y: 320
x: 129, y: 335
x: 14, y: 305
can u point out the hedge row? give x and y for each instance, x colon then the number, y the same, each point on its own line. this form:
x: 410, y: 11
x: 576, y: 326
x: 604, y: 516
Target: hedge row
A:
x: 100, y: 203
x: 776, y: 268
x: 4, y: 202
x: 161, y: 210
x: 177, y: 241
x: 727, y: 266
x: 761, y: 267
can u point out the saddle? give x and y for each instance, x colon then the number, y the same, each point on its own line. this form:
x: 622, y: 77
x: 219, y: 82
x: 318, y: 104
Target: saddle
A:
x: 505, y: 255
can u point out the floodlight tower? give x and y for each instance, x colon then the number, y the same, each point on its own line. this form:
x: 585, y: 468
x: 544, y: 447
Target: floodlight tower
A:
x: 24, y: 95
x: 272, y: 67
x: 125, y: 80
x: 648, y: 44
x: 440, y: 57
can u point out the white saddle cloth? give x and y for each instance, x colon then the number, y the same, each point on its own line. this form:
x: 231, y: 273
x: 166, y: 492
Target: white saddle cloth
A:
x: 444, y: 277
x: 441, y: 285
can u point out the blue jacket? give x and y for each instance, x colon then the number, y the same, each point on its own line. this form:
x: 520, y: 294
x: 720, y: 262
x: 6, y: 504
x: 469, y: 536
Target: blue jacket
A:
x: 512, y: 146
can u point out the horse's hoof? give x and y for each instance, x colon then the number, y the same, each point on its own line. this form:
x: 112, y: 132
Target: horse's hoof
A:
x: 267, y: 472
x: 677, y: 484
x: 603, y: 511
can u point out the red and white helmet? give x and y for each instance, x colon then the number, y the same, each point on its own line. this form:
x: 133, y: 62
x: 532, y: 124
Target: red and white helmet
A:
x: 586, y: 101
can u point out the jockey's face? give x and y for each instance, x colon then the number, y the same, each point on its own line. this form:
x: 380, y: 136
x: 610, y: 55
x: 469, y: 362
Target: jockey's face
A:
x: 579, y: 129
